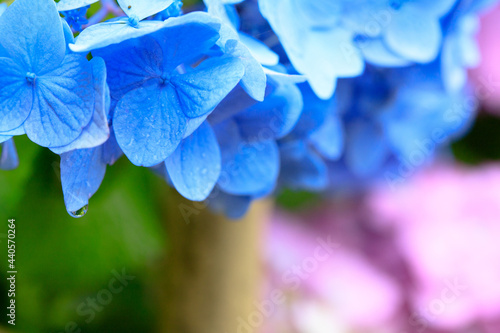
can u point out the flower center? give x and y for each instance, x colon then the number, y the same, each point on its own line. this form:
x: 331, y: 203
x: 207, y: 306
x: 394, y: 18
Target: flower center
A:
x: 30, y: 77
x: 133, y: 21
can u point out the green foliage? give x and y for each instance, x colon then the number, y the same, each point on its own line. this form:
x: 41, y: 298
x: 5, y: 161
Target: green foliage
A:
x: 482, y: 143
x: 61, y: 259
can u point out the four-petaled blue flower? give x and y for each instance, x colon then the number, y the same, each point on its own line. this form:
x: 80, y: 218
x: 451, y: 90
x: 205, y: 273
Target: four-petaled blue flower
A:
x: 160, y: 81
x: 45, y: 92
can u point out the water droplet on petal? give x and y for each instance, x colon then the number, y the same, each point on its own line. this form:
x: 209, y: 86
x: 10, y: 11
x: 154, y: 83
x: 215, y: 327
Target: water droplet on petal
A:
x: 80, y: 213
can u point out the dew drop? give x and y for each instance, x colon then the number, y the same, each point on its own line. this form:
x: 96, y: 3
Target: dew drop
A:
x: 80, y: 213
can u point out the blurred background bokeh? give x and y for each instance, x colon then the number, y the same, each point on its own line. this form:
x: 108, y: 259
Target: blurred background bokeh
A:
x: 423, y: 256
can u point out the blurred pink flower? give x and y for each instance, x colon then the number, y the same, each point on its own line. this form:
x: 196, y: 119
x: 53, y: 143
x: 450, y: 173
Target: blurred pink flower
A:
x: 329, y: 287
x: 487, y: 76
x: 447, y: 227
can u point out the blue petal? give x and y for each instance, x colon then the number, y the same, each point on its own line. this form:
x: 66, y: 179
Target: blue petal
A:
x: 235, y: 102
x: 366, y: 149
x: 142, y: 9
x: 82, y: 172
x: 97, y: 131
x: 149, y: 124
x: 3, y: 7
x: 16, y: 95
x: 376, y: 52
x: 157, y: 55
x: 187, y: 37
x: 65, y: 5
x: 9, y: 159
x: 112, y: 32
x: 290, y: 78
x: 254, y: 80
x: 314, y: 113
x: 414, y: 34
x: 273, y: 118
x: 260, y: 51
x: 68, y: 34
x: 195, y: 166
x: 63, y: 105
x: 202, y: 89
x: 329, y: 138
x: 193, y: 124
x: 218, y: 9
x: 437, y: 7
x: 4, y: 138
x: 15, y: 131
x: 111, y: 151
x: 302, y: 168
x: 322, y: 54
x: 248, y: 168
x: 141, y: 57
x: 42, y: 46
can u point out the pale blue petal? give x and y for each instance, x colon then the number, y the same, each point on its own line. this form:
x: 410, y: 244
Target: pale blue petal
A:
x: 254, y: 79
x: 218, y: 9
x: 42, y: 45
x: 202, y: 89
x: 149, y: 124
x: 16, y: 95
x: 16, y: 131
x: 112, y: 32
x: 82, y: 172
x: 322, y: 54
x: 376, y: 52
x: 143, y: 8
x: 291, y: 78
x: 9, y: 159
x: 63, y: 105
x: 260, y: 51
x: 4, y: 138
x: 65, y: 5
x: 437, y: 7
x: 195, y: 165
x: 68, y: 34
x: 97, y: 131
x: 414, y: 34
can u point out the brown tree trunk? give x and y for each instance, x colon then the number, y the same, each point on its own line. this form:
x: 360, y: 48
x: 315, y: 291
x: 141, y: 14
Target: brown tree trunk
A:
x: 211, y: 273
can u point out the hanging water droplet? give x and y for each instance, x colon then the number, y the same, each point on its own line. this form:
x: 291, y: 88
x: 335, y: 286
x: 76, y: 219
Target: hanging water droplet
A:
x: 80, y: 213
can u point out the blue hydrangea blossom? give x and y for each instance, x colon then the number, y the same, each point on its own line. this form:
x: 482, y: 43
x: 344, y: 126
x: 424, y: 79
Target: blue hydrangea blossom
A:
x: 45, y: 91
x: 210, y: 101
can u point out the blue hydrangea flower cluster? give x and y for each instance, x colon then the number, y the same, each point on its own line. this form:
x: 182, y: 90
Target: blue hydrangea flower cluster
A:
x: 233, y: 99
